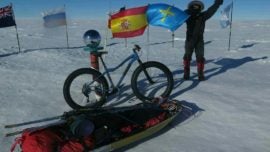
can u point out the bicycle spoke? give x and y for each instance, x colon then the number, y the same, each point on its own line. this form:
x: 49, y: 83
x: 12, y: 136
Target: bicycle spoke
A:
x: 86, y: 91
x: 160, y: 74
x: 152, y: 89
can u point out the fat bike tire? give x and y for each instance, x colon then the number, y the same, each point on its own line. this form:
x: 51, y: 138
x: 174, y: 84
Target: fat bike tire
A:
x: 141, y: 70
x: 90, y: 73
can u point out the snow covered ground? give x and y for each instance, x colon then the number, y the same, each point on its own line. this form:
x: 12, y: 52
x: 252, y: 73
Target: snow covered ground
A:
x: 229, y: 111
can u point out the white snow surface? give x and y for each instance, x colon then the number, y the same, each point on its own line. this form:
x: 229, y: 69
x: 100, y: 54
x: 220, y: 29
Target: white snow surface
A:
x: 229, y: 112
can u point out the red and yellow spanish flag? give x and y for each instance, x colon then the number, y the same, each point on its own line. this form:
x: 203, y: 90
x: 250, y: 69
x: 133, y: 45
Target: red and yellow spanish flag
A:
x: 128, y: 23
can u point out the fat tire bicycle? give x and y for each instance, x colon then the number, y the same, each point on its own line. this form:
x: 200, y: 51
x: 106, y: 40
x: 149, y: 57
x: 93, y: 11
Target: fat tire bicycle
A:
x: 93, y: 90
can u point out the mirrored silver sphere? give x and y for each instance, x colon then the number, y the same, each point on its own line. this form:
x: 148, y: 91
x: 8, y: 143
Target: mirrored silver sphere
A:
x: 92, y: 38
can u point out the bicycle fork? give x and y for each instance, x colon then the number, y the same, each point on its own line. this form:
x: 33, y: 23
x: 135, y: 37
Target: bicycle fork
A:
x: 145, y: 72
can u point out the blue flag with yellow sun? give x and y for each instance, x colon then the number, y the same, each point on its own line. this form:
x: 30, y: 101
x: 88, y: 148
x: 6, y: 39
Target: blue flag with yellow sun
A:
x: 166, y: 16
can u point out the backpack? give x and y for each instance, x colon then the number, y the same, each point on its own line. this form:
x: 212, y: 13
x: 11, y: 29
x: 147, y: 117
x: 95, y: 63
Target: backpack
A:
x: 38, y: 140
x: 50, y: 140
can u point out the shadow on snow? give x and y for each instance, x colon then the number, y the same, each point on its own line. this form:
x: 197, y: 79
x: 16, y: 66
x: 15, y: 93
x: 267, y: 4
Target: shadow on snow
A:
x: 224, y: 64
x: 248, y: 45
x: 228, y: 64
x: 39, y: 49
x: 49, y: 48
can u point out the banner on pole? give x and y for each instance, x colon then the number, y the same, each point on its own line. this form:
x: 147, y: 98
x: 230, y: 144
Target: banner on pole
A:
x: 54, y: 18
x: 7, y: 17
x: 225, y: 19
x: 128, y: 22
x: 166, y: 16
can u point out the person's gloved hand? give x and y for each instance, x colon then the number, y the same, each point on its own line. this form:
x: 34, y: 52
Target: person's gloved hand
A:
x: 219, y: 2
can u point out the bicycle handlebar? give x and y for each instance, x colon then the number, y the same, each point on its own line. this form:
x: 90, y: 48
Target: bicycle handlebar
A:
x: 136, y: 48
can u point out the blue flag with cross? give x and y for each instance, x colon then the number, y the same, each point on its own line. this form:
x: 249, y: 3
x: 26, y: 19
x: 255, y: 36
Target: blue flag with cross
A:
x: 166, y: 16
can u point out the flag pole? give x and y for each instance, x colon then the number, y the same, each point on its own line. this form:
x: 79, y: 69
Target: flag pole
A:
x: 18, y: 39
x: 67, y: 36
x: 107, y: 27
x: 148, y: 43
x: 66, y: 28
x: 173, y: 35
x: 173, y: 39
x: 230, y: 35
x: 125, y: 38
x: 17, y: 35
x: 106, y: 37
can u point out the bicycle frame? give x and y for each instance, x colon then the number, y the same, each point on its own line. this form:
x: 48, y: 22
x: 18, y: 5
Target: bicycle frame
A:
x: 130, y: 59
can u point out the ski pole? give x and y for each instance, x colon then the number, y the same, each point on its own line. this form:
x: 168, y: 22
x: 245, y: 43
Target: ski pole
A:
x: 32, y: 122
x: 66, y: 114
x: 14, y: 133
x: 90, y: 112
x: 32, y: 129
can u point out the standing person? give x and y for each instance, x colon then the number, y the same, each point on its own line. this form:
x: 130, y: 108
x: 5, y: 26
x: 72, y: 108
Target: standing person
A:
x: 194, y: 35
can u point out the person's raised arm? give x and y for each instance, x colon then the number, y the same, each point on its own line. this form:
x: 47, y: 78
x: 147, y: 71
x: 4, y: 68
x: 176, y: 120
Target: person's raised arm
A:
x: 212, y: 9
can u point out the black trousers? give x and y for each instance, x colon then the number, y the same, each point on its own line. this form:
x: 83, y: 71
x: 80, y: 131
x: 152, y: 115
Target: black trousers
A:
x: 198, y: 47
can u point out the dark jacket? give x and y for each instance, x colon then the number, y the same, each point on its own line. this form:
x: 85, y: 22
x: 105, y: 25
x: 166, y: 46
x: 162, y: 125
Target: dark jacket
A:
x: 196, y: 24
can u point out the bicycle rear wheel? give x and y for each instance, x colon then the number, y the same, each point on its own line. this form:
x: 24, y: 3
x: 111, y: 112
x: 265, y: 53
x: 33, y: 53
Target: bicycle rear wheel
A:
x: 159, y: 81
x: 85, y: 88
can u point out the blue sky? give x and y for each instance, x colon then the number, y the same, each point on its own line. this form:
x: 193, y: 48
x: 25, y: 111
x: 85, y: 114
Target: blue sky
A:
x: 93, y: 9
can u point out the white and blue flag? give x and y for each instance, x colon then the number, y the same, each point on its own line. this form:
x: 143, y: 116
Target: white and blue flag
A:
x: 225, y: 19
x: 54, y: 18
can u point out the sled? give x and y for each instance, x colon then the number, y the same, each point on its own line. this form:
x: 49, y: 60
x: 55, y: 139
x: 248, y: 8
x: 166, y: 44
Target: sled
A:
x: 135, y: 138
x: 124, y: 125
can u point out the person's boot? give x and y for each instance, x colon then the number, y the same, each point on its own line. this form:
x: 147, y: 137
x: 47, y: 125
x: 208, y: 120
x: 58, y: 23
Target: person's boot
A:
x: 186, y: 69
x: 200, y: 68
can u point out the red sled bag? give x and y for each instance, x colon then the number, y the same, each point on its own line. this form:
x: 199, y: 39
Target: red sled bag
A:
x: 149, y: 123
x: 73, y: 145
x: 156, y: 120
x: 43, y: 140
x: 50, y: 140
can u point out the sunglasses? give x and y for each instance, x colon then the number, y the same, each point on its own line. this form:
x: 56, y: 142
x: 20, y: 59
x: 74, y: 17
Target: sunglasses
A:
x: 195, y: 7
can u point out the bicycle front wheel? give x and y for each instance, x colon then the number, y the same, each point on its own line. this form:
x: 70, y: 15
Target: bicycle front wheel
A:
x: 85, y: 88
x: 152, y: 79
